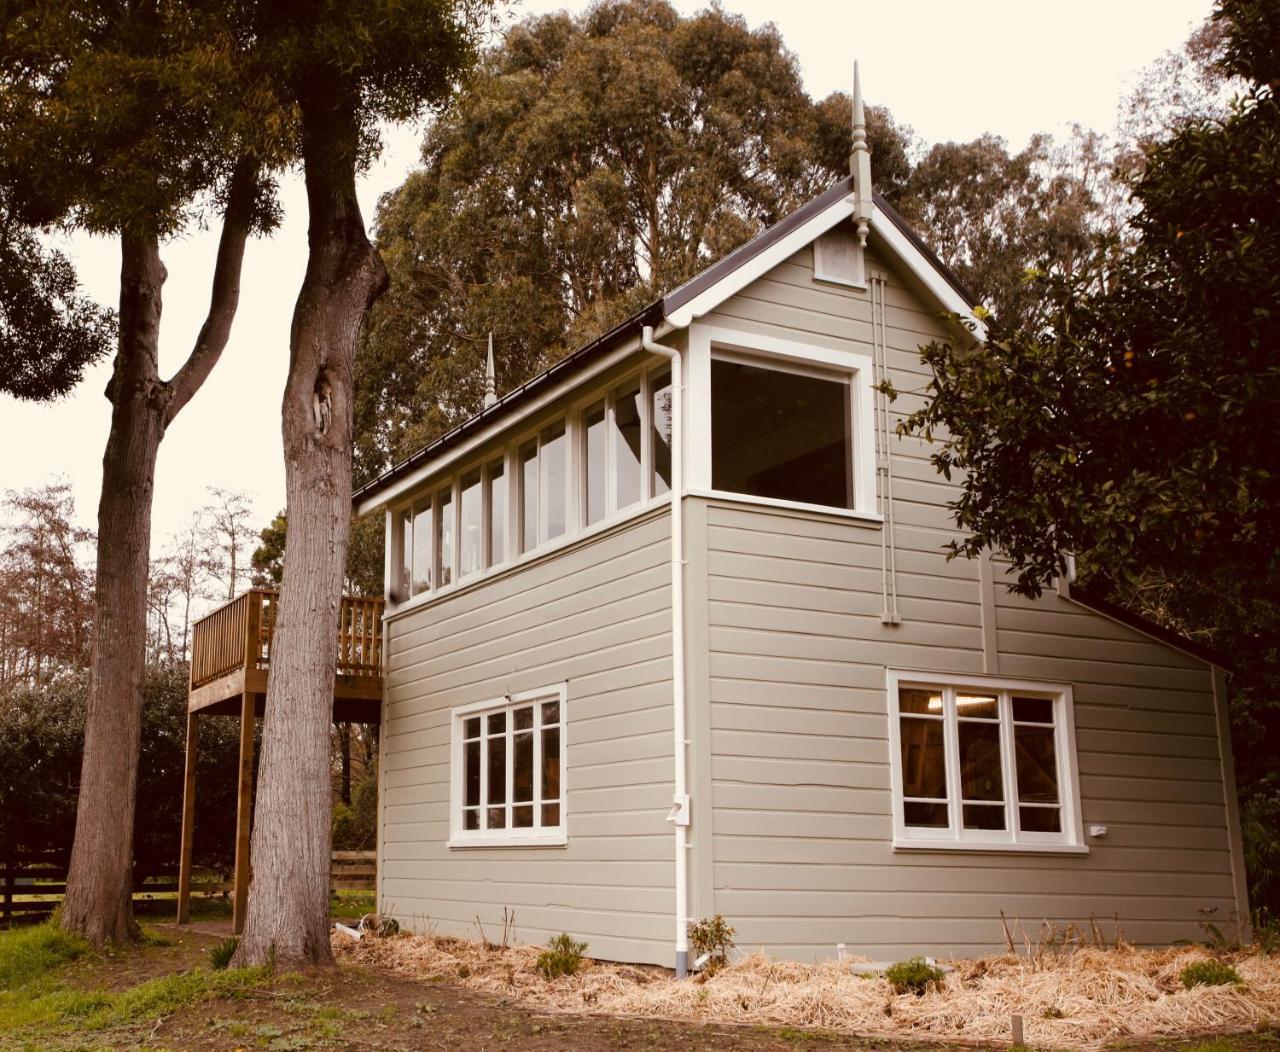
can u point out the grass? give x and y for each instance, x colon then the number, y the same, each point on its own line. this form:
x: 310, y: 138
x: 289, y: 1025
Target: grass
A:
x: 35, y: 993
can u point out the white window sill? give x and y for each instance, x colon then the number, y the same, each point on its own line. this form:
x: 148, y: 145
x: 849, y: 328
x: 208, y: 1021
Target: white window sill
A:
x: 787, y: 505
x: 989, y: 847
x: 542, y: 840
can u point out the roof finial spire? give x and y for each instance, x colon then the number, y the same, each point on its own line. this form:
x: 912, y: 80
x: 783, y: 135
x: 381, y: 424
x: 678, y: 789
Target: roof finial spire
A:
x: 490, y: 380
x: 860, y: 162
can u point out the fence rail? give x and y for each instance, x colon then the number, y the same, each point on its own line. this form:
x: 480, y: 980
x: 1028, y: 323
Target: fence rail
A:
x: 32, y: 889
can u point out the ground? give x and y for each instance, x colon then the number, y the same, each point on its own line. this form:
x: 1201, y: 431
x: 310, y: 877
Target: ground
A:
x: 162, y: 995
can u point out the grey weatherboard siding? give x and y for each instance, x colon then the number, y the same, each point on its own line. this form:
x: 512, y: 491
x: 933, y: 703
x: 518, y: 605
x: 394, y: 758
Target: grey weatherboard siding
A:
x: 788, y: 720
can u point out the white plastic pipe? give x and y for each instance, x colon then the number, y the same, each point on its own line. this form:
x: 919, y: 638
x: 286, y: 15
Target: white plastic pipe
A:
x: 680, y: 804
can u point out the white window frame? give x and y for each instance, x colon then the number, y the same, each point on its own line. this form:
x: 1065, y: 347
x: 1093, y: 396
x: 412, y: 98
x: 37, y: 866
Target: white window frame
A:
x: 537, y: 836
x: 955, y: 837
x: 708, y: 342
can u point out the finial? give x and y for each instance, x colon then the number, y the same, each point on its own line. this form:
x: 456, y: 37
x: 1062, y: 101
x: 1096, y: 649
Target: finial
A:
x: 490, y: 380
x: 860, y: 162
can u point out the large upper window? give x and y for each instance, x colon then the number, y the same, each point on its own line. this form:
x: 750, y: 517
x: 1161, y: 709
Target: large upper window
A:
x: 979, y: 763
x: 784, y: 433
x: 508, y: 760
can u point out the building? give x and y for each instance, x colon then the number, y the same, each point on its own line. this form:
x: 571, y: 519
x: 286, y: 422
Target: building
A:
x: 657, y: 650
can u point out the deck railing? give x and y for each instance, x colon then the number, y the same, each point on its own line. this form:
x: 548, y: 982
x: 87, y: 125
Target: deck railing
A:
x: 239, y: 634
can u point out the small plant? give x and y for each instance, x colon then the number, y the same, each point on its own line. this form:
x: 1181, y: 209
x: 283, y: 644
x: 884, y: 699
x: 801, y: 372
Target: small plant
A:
x: 1209, y: 973
x: 563, y: 956
x: 221, y: 953
x: 711, y: 939
x: 914, y: 976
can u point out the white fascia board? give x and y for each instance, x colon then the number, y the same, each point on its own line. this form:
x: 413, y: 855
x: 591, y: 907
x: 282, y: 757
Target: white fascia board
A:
x: 919, y: 265
x: 465, y: 447
x: 756, y: 267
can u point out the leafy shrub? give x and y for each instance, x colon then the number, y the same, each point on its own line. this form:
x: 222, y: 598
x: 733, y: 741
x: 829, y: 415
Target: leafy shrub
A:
x: 563, y: 956
x: 220, y: 954
x: 1209, y: 973
x: 713, y: 939
x: 913, y: 976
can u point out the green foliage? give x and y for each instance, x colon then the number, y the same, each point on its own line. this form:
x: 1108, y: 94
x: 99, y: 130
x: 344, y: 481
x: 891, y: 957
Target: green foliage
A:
x: 714, y: 938
x: 563, y: 956
x: 363, y: 574
x: 1209, y: 973
x: 355, y: 825
x: 220, y: 954
x: 27, y: 953
x: 914, y: 976
x: 1133, y: 420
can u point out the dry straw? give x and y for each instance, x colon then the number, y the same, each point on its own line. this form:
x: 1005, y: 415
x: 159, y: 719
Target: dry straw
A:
x: 1068, y: 997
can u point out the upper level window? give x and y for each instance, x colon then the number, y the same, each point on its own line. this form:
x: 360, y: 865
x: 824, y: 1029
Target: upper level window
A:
x: 444, y: 537
x: 508, y: 759
x: 470, y: 525
x: 628, y: 435
x: 981, y: 763
x: 782, y: 432
x: 661, y: 431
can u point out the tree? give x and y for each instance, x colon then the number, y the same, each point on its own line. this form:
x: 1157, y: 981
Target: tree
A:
x: 49, y: 331
x: 590, y: 163
x: 1136, y: 425
x: 228, y: 536
x: 131, y: 121
x: 362, y: 574
x: 343, y: 69
x: 268, y: 557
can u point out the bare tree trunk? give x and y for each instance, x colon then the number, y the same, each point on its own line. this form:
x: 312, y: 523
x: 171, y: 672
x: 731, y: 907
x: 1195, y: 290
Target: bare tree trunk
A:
x: 100, y: 879
x: 288, y: 919
x: 98, y: 901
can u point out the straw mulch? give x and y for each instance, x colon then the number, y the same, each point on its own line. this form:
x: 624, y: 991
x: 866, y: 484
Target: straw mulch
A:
x: 1068, y: 998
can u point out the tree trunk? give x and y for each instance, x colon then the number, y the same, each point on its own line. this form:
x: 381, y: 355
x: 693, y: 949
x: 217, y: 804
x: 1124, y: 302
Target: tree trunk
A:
x: 99, y: 881
x: 288, y: 919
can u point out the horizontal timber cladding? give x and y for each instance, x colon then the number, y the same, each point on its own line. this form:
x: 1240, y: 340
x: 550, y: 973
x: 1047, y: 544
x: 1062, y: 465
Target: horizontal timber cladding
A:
x: 595, y: 615
x: 791, y: 689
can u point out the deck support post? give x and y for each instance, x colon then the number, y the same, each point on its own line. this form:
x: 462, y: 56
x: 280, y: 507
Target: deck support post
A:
x: 188, y: 820
x: 244, y: 808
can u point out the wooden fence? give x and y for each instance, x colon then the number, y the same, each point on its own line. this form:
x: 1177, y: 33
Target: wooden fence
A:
x: 31, y: 889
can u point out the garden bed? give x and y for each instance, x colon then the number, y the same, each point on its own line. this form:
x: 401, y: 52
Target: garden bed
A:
x: 1067, y: 997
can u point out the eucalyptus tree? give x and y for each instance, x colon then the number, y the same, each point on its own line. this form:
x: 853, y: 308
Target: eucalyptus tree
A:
x: 344, y: 69
x: 133, y: 121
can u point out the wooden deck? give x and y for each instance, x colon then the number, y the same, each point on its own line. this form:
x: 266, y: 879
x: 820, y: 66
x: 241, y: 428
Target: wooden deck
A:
x: 231, y: 656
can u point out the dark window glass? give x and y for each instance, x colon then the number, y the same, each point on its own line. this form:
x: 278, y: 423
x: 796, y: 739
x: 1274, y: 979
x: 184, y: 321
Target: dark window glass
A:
x: 1039, y: 820
x: 522, y: 817
x: 528, y: 458
x: 1033, y: 710
x: 1037, y: 765
x: 976, y: 816
x: 924, y: 765
x: 924, y: 702
x: 522, y: 767
x: 776, y: 433
x: 471, y: 774
x: 980, y: 761
x: 551, y: 764
x: 550, y: 814
x: 934, y: 816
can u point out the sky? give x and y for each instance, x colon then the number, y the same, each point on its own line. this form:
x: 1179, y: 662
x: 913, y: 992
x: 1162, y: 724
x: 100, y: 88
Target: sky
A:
x: 951, y: 71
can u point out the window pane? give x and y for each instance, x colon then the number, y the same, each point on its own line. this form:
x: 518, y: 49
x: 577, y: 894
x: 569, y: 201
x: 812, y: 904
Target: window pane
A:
x: 924, y: 765
x: 528, y: 458
x: 661, y: 432
x: 497, y: 817
x: 422, y: 550
x: 934, y: 816
x: 977, y: 706
x: 523, y: 718
x: 550, y: 815
x: 471, y: 729
x: 1033, y: 710
x: 406, y: 555
x: 626, y: 446
x: 551, y: 764
x: 594, y: 455
x: 522, y: 817
x: 977, y: 816
x: 1037, y: 765
x: 980, y: 777
x: 779, y: 434
x: 497, y: 771
x: 471, y: 774
x: 471, y: 820
x: 1039, y: 820
x: 522, y: 767
x: 470, y: 503
x: 497, y: 513
x: 553, y: 479
x: 550, y: 712
x: 925, y: 702
x: 444, y: 537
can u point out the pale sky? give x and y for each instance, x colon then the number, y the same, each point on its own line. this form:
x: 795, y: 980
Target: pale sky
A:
x: 951, y: 71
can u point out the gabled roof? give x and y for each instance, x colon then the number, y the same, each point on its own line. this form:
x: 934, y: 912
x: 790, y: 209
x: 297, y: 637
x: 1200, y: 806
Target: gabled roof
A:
x: 702, y: 293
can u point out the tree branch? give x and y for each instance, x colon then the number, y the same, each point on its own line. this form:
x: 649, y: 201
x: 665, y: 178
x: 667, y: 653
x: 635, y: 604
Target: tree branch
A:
x: 237, y: 222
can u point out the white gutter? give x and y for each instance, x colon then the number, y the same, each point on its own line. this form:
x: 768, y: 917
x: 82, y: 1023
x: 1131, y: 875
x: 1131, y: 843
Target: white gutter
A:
x: 679, y: 816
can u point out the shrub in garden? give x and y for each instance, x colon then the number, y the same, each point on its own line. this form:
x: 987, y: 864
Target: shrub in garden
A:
x: 563, y: 956
x: 913, y: 976
x: 712, y: 938
x: 1209, y: 973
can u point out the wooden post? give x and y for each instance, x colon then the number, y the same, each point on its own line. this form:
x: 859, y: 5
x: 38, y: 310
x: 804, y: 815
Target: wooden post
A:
x: 244, y: 808
x: 188, y: 821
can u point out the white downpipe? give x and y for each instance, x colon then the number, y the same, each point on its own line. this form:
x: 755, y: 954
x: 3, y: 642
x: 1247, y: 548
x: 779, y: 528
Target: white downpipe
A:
x: 679, y: 815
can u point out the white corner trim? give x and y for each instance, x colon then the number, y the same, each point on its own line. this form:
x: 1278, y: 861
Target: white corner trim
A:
x: 740, y: 277
x: 924, y: 269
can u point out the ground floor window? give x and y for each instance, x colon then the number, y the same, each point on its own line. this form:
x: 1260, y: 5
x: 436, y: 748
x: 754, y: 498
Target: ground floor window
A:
x: 508, y: 760
x: 982, y: 762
